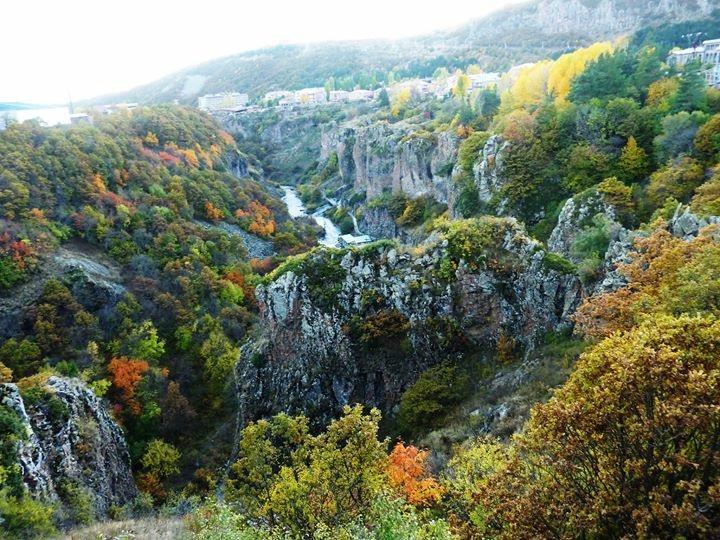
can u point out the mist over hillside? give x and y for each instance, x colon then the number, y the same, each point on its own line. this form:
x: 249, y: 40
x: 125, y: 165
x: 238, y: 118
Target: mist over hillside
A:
x: 518, y: 34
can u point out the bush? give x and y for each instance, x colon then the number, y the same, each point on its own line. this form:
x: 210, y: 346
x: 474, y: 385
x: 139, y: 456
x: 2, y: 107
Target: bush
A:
x: 426, y: 402
x: 23, y: 517
x: 558, y: 263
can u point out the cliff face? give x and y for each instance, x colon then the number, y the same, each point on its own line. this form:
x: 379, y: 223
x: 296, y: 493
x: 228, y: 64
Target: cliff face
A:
x: 379, y: 156
x: 548, y: 21
x: 71, y: 440
x: 368, y: 331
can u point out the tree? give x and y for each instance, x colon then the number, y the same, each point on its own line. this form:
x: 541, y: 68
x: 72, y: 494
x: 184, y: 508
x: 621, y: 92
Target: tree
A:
x: 400, y: 101
x: 691, y: 95
x: 707, y: 140
x: 677, y: 136
x: 384, y: 99
x: 677, y: 180
x: 462, y: 85
x: 126, y: 374
x: 408, y: 475
x: 627, y: 448
x: 161, y: 458
x: 634, y: 164
x: 569, y: 66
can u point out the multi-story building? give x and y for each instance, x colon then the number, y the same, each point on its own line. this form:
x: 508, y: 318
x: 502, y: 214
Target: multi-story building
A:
x: 309, y: 96
x: 708, y: 54
x: 225, y: 100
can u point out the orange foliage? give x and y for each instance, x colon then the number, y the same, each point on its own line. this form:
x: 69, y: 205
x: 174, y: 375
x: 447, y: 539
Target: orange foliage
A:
x: 190, y: 157
x: 98, y: 183
x: 247, y: 289
x: 126, y: 375
x: 37, y: 215
x: 227, y: 138
x: 657, y: 259
x: 408, y: 475
x: 150, y: 483
x: 262, y: 266
x: 213, y: 213
x: 257, y: 219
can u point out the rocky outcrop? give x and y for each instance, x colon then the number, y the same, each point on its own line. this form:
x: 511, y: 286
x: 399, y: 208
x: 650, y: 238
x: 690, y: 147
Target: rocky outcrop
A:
x: 488, y: 170
x: 578, y: 213
x: 313, y: 356
x: 377, y: 156
x: 686, y: 225
x: 378, y: 223
x: 94, y: 280
x: 71, y: 440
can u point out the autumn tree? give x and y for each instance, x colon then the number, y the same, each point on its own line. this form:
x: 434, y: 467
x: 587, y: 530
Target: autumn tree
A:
x: 408, y: 475
x: 627, y: 448
x: 677, y: 180
x: 126, y: 374
x: 212, y: 212
x: 634, y: 164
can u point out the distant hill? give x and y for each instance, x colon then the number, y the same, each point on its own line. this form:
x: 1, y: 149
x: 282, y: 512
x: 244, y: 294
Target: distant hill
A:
x: 18, y: 106
x: 522, y: 33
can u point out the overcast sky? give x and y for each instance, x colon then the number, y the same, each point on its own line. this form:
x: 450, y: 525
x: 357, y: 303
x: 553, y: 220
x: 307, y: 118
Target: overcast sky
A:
x: 52, y: 48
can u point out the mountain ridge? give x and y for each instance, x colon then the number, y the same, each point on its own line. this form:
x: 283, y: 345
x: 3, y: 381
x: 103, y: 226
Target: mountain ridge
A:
x: 546, y: 28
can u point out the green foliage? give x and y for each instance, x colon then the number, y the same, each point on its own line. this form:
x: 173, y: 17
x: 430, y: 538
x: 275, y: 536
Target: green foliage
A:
x: 470, y: 149
x: 432, y: 396
x: 691, y: 94
x: 25, y: 518
x: 590, y: 246
x: 161, y: 458
x: 78, y: 501
x: 558, y: 263
x: 677, y: 180
x: 288, y: 480
x: 475, y: 241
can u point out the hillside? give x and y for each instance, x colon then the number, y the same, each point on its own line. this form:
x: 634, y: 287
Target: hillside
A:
x: 524, y: 33
x: 510, y: 329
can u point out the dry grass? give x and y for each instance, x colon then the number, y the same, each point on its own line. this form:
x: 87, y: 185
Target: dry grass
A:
x: 135, y: 529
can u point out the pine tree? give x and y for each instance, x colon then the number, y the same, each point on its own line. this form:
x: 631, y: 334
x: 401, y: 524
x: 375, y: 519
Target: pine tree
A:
x: 691, y: 94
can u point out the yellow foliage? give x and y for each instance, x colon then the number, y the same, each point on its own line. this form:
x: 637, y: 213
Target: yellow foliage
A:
x: 400, y: 100
x: 570, y: 65
x: 529, y: 88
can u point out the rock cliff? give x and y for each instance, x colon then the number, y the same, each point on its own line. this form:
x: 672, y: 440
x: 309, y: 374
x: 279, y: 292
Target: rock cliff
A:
x: 361, y: 325
x: 71, y: 441
x: 378, y: 156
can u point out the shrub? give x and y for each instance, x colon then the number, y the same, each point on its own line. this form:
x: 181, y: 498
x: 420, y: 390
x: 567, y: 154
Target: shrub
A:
x: 23, y: 517
x: 558, y: 263
x: 436, y: 391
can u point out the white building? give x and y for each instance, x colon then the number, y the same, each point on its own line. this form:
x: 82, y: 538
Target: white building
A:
x: 80, y: 118
x: 225, y: 100
x: 482, y: 81
x: 361, y: 95
x: 337, y: 96
x: 309, y: 96
x: 708, y: 54
x: 277, y: 95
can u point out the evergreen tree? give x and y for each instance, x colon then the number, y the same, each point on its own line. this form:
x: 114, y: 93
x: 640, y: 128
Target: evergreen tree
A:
x: 691, y: 94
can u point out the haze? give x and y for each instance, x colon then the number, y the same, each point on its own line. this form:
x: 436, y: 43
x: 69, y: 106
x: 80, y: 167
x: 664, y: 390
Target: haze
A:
x: 81, y: 48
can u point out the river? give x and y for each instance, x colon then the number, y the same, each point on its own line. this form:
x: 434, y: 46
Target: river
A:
x: 332, y: 238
